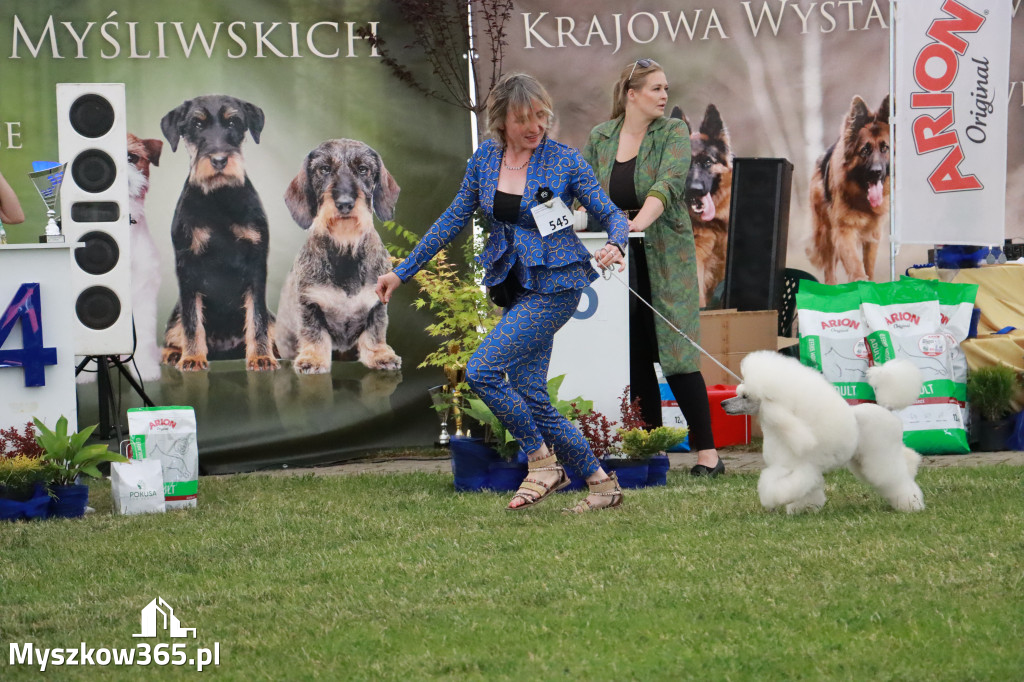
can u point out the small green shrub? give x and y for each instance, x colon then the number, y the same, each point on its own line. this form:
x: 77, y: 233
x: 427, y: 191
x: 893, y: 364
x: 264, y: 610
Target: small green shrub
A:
x: 990, y: 390
x: 19, y: 473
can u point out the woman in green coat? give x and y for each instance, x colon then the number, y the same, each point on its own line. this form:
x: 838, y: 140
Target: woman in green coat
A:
x: 641, y: 158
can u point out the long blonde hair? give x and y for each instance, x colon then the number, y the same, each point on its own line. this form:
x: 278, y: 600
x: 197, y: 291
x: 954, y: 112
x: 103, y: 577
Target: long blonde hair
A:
x: 632, y: 77
x: 515, y: 92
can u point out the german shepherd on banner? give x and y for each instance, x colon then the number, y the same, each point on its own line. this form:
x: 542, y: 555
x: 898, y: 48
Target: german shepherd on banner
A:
x: 850, y: 194
x: 708, y: 192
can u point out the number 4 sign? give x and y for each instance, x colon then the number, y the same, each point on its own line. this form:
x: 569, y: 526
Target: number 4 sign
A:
x: 32, y: 356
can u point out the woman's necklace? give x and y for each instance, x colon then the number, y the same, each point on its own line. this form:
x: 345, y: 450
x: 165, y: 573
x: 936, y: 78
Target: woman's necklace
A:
x: 516, y: 168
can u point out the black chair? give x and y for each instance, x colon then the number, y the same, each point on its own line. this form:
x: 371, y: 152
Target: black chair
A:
x: 787, y: 306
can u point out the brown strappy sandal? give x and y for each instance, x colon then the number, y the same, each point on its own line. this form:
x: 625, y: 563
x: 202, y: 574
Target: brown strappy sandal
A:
x: 532, y: 491
x: 608, y: 487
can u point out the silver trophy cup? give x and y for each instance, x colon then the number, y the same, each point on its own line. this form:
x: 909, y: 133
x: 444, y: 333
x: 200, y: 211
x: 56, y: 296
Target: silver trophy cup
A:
x: 442, y: 400
x: 48, y: 183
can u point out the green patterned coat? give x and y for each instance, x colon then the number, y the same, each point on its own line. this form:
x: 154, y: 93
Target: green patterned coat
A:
x: 661, y: 167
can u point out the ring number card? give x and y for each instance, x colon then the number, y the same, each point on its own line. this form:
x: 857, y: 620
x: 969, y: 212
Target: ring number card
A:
x: 552, y: 216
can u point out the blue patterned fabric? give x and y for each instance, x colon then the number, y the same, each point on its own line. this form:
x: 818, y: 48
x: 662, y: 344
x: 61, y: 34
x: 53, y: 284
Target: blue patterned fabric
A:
x: 545, y: 264
x: 520, y: 346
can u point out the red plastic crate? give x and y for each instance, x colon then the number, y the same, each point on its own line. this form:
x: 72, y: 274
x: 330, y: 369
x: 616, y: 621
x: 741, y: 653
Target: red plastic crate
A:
x: 727, y: 429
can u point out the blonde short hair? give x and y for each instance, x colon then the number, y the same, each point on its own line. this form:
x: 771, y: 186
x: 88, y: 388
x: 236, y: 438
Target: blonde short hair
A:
x: 632, y: 77
x: 515, y: 92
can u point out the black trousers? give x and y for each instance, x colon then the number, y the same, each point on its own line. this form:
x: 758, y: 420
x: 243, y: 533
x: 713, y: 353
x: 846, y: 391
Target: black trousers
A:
x: 689, y: 389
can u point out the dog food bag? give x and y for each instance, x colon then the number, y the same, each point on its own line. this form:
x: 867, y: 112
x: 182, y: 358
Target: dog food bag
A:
x: 904, y: 321
x: 956, y: 305
x: 832, y: 335
x: 169, y: 434
x: 137, y: 486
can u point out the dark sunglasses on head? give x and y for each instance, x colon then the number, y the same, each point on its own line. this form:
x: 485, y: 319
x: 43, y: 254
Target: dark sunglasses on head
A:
x: 642, y: 63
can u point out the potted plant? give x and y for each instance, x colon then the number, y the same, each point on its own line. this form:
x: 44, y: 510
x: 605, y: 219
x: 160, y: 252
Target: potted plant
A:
x: 990, y: 391
x: 638, y: 445
x: 23, y: 475
x: 70, y: 457
x: 22, y: 488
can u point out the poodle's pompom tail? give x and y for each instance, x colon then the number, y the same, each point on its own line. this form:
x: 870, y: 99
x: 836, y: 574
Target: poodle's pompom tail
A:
x: 897, y: 383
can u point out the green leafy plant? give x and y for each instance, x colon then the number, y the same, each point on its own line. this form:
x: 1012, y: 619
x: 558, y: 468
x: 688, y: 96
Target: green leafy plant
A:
x: 18, y: 474
x: 991, y: 389
x: 463, y: 312
x: 643, y: 443
x: 68, y: 453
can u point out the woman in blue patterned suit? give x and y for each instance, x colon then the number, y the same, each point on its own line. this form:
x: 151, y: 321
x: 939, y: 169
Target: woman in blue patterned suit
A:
x: 508, y: 177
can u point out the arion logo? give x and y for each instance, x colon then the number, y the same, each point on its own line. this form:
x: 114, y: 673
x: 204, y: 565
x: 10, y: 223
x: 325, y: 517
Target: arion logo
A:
x: 935, y: 71
x: 158, y: 614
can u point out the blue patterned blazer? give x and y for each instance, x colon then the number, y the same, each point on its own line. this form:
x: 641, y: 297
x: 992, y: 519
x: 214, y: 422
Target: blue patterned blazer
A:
x: 543, y: 264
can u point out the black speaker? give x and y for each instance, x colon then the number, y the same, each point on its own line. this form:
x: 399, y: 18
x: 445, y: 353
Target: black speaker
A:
x: 758, y: 233
x: 92, y: 140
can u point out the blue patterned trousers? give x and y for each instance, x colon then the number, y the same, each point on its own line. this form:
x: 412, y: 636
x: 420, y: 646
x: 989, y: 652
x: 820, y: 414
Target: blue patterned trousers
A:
x: 520, y: 346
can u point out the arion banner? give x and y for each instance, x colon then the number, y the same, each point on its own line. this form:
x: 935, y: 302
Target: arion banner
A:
x: 952, y: 66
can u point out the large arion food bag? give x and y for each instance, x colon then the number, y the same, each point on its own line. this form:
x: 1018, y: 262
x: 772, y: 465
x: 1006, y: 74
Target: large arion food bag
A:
x: 169, y: 434
x: 904, y: 320
x: 832, y: 337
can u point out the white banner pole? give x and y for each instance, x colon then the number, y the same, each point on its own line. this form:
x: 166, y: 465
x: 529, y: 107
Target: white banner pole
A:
x: 894, y: 137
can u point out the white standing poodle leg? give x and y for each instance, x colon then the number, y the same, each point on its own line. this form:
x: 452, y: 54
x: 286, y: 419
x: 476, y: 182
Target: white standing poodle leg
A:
x: 891, y: 472
x: 813, y: 501
x: 780, y: 486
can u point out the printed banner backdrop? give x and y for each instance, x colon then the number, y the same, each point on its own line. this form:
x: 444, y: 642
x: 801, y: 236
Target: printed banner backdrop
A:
x: 952, y: 60
x: 314, y: 79
x: 782, y: 76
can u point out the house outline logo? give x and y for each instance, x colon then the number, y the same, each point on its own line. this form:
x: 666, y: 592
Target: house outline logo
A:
x: 159, y: 611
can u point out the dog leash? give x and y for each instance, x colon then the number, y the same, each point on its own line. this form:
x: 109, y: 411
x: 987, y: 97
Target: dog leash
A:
x: 609, y: 272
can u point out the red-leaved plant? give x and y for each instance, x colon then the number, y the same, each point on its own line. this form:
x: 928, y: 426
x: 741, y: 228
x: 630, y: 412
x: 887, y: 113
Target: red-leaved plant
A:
x: 599, y: 431
x: 632, y: 418
x: 13, y: 443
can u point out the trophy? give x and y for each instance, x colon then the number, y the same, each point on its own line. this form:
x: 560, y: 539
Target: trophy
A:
x: 442, y: 401
x: 47, y: 176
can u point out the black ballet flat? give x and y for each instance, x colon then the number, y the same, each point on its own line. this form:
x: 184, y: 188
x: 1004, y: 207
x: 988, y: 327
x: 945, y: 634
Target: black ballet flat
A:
x: 710, y: 472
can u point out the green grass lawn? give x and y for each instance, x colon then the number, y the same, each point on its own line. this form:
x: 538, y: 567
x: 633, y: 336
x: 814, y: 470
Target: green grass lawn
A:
x: 397, y: 577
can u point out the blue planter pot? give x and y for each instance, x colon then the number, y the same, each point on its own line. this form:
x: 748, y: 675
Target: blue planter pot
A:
x: 657, y: 470
x: 37, y: 506
x: 631, y: 473
x: 470, y: 462
x: 68, y: 501
x: 506, y: 476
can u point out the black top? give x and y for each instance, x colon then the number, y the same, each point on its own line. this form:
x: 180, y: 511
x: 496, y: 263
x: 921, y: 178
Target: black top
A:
x: 621, y: 188
x: 506, y: 206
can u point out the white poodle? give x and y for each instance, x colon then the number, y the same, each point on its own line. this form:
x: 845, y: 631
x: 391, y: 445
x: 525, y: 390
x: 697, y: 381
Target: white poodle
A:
x: 809, y: 429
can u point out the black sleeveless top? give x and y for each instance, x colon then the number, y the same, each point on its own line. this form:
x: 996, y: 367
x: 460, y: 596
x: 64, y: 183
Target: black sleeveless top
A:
x: 621, y: 188
x: 506, y: 206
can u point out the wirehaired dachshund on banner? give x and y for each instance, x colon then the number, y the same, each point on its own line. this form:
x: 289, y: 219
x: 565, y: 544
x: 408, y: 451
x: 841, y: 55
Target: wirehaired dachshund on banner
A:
x: 220, y: 235
x: 328, y: 301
